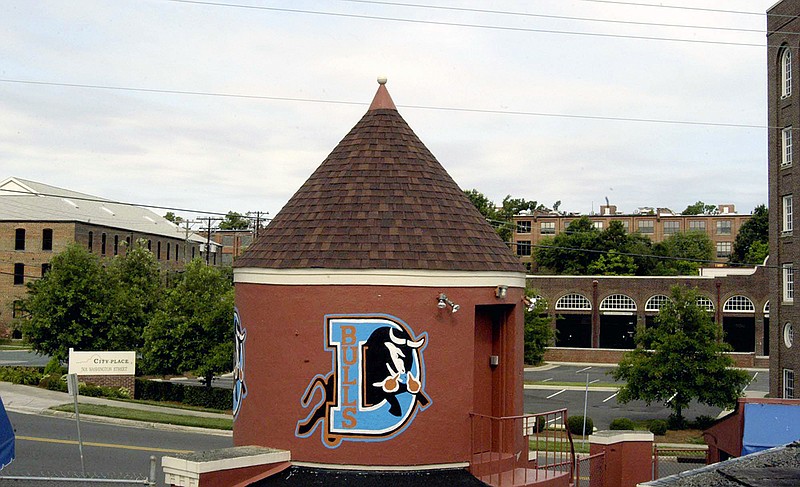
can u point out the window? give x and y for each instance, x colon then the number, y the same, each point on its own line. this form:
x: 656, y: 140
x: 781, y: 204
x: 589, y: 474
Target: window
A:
x: 723, y: 249
x: 788, y: 383
x: 17, y: 309
x: 671, y: 227
x: 598, y: 225
x: 787, y: 214
x: 723, y: 227
x: 116, y: 244
x: 127, y: 244
x: 149, y: 245
x: 193, y: 251
x: 19, y: 274
x: 786, y: 73
x: 788, y: 283
x: 739, y: 304
x: 656, y: 302
x: 788, y: 335
x: 19, y: 239
x: 103, y: 244
x: 47, y: 239
x: 547, y: 228
x: 227, y: 240
x: 524, y: 247
x: 705, y: 303
x: 168, y: 254
x: 573, y: 301
x: 45, y: 268
x: 697, y: 225
x: 645, y: 226
x: 177, y: 249
x: 786, y: 147
x: 90, y: 241
x: 158, y: 250
x: 618, y: 302
x: 524, y: 226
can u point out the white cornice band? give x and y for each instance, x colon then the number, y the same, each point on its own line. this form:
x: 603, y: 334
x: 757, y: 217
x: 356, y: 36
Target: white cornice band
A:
x: 377, y: 277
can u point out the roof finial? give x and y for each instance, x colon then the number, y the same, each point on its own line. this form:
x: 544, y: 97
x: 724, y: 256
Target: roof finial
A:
x: 382, y: 80
x: 382, y: 99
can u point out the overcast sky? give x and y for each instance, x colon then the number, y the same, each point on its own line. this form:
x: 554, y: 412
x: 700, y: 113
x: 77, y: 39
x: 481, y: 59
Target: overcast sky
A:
x: 455, y: 75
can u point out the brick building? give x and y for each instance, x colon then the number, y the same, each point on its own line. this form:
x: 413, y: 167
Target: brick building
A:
x: 783, y: 41
x: 231, y: 242
x: 655, y: 223
x: 38, y: 221
x: 596, y: 316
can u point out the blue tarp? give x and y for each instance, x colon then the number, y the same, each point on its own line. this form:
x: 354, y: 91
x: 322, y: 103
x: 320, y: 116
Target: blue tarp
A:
x: 769, y: 425
x: 6, y: 438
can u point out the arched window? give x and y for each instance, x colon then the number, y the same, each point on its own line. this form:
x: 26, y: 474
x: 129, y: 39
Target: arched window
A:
x: 618, y: 302
x: 786, y: 72
x: 573, y: 301
x: 738, y: 304
x: 705, y: 303
x: 766, y: 309
x: 656, y: 302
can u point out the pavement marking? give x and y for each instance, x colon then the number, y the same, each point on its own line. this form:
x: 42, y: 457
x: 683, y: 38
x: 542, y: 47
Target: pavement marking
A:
x: 612, y: 396
x: 596, y: 380
x: 102, y: 445
x: 547, y: 380
x: 583, y: 369
x: 557, y: 393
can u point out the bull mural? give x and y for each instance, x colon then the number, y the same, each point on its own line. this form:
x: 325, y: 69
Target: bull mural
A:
x: 376, y: 385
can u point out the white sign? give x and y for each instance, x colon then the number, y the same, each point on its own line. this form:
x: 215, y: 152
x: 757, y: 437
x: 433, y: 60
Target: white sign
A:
x: 102, y: 363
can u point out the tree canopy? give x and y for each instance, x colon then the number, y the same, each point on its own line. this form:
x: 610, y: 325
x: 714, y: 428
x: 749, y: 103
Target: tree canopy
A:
x: 679, y: 359
x: 700, y: 208
x: 234, y: 221
x: 191, y: 331
x: 538, y: 332
x: 173, y: 217
x: 751, y: 245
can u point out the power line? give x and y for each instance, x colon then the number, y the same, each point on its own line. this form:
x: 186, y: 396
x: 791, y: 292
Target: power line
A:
x: 413, y: 107
x: 463, y: 24
x: 677, y: 7
x: 547, y: 16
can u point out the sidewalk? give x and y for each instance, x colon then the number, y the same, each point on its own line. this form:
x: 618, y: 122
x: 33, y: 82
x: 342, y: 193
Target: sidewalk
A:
x: 35, y: 400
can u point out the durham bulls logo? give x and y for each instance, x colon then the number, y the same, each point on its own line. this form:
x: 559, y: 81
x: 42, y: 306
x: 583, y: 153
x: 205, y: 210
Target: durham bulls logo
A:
x: 376, y: 385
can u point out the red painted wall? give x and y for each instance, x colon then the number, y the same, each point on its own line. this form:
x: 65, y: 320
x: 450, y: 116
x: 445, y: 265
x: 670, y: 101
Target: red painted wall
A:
x: 285, y: 350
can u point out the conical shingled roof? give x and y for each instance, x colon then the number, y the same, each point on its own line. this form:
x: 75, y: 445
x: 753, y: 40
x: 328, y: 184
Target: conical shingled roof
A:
x: 380, y: 200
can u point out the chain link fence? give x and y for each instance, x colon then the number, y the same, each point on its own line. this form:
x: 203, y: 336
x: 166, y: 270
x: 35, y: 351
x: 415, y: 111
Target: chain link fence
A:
x: 671, y: 460
x: 75, y: 479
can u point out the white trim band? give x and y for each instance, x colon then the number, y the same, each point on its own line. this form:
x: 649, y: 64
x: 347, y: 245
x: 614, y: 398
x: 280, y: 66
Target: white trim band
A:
x: 384, y: 468
x: 611, y: 437
x: 377, y: 277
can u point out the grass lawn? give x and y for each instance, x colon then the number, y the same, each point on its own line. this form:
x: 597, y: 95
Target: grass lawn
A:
x: 148, y: 416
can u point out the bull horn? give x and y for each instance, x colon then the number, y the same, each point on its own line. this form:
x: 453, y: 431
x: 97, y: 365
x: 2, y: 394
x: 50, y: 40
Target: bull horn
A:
x: 394, y: 339
x: 416, y: 344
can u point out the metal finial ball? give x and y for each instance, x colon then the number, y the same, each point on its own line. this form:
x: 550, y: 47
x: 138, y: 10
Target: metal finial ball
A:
x: 381, y: 80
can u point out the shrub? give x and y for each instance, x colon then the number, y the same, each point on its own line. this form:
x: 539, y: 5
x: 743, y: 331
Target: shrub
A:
x: 622, y: 424
x: 658, y: 427
x: 702, y: 422
x: 90, y: 390
x: 54, y: 367
x: 53, y: 382
x: 676, y: 423
x: 29, y: 376
x: 575, y: 425
x: 213, y: 398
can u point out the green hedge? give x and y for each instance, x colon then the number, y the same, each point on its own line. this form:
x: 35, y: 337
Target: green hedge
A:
x: 29, y: 376
x: 575, y: 425
x: 212, y: 398
x: 622, y: 424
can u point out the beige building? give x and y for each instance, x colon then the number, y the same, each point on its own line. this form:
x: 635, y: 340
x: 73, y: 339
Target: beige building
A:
x: 38, y: 221
x: 655, y: 223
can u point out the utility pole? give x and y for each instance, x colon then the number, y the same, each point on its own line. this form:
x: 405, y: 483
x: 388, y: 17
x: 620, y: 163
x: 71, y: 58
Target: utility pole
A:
x: 208, y: 220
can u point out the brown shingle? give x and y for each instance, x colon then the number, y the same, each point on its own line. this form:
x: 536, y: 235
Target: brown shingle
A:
x: 380, y: 200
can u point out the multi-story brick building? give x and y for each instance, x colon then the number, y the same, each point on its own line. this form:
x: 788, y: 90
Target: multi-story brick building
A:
x: 38, y: 221
x: 232, y: 242
x: 655, y: 223
x: 783, y: 41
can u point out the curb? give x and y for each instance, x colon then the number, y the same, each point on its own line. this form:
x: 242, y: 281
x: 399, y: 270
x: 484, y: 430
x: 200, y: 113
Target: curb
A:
x: 136, y: 424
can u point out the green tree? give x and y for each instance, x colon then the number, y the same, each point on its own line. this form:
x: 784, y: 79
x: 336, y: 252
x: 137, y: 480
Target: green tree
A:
x: 173, y: 217
x: 234, y: 221
x: 68, y: 306
x: 191, y: 332
x: 612, y: 263
x: 700, y: 208
x: 485, y: 206
x: 679, y: 359
x: 538, y: 332
x: 753, y: 232
x: 695, y: 247
x: 136, y: 286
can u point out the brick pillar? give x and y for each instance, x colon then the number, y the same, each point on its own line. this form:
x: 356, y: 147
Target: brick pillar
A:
x: 628, y: 457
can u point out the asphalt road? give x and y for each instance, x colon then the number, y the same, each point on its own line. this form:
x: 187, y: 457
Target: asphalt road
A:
x: 602, y: 405
x: 22, y: 357
x: 47, y: 446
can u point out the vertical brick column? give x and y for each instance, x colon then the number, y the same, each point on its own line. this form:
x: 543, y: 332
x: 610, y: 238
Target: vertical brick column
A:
x: 628, y: 457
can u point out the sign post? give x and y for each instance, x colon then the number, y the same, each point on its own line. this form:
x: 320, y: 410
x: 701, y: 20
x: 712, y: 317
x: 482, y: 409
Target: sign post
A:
x: 72, y: 388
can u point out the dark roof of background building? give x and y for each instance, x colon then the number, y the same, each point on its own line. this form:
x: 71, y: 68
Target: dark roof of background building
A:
x: 380, y: 200
x: 776, y: 467
x: 354, y: 478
